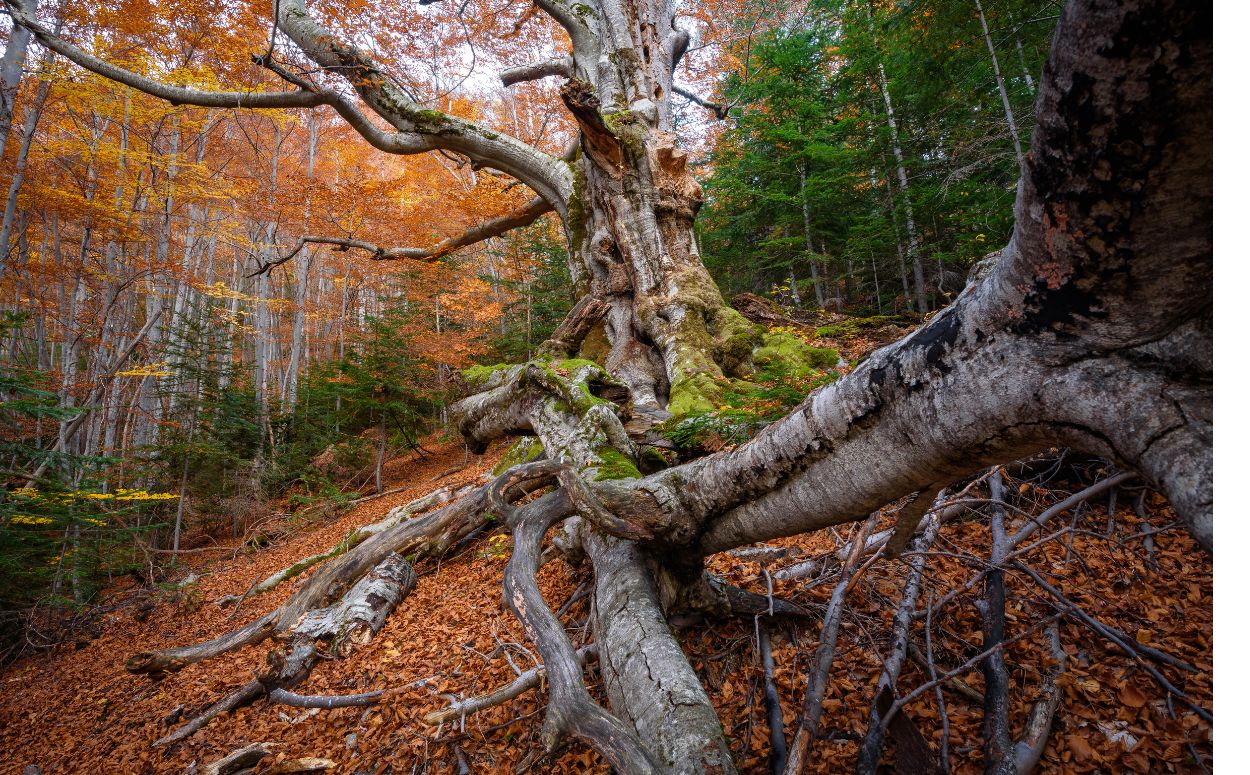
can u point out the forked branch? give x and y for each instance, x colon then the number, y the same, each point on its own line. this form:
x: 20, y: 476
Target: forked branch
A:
x: 519, y: 218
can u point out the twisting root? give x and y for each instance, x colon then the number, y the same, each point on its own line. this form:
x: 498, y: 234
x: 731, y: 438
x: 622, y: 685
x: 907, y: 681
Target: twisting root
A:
x: 570, y: 710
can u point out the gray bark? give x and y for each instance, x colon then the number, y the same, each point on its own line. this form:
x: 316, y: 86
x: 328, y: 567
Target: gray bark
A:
x: 1093, y: 326
x: 1002, y: 87
x: 11, y: 79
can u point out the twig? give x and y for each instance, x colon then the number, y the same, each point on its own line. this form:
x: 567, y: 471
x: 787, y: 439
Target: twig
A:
x: 900, y: 703
x: 874, y: 737
x: 944, y: 751
x: 772, y: 704
x: 243, y: 597
x: 1106, y: 632
x: 822, y: 661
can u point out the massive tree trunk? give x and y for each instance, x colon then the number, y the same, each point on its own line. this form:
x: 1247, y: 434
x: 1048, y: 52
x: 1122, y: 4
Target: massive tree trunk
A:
x: 1091, y: 329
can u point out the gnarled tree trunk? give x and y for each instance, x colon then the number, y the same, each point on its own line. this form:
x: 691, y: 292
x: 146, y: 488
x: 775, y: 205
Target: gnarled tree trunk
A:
x: 1091, y: 329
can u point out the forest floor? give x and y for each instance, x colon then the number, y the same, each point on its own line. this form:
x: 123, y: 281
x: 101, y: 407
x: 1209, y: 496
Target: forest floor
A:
x: 77, y: 710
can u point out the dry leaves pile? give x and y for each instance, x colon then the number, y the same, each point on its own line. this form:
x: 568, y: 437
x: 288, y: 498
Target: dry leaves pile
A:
x: 79, y: 711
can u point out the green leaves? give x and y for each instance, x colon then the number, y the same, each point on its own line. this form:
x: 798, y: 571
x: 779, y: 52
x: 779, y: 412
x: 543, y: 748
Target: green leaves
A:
x: 810, y: 128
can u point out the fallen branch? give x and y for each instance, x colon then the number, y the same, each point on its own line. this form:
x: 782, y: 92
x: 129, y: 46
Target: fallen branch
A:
x: 325, y: 701
x: 1122, y: 643
x: 1032, y: 742
x: 822, y: 658
x: 393, y: 517
x: 242, y: 759
x: 778, y: 755
x: 999, y: 753
x: 523, y: 683
x: 352, y: 621
x: 904, y: 732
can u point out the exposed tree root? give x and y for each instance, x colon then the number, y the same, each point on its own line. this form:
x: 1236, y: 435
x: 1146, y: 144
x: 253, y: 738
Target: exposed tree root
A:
x: 394, y: 517
x: 570, y: 709
x: 524, y: 682
x: 351, y: 621
x: 420, y: 538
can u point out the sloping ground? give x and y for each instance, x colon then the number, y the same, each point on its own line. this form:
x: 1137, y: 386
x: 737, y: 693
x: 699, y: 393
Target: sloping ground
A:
x: 79, y: 711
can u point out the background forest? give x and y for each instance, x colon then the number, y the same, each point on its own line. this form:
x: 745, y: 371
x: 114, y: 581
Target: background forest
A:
x: 166, y: 386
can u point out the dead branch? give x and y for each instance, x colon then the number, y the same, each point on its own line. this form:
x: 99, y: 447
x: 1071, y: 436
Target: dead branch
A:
x: 720, y: 111
x: 874, y: 737
x: 522, y: 216
x: 822, y: 658
x: 778, y: 755
x: 999, y: 756
x: 523, y: 683
x: 1135, y: 651
x: 1032, y: 741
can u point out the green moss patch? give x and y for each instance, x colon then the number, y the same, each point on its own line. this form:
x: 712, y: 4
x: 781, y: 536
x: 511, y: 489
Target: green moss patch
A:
x: 615, y: 465
x: 477, y: 376
x: 783, y: 353
x: 526, y: 450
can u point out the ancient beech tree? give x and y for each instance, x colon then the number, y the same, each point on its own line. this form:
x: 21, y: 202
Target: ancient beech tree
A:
x: 1091, y: 329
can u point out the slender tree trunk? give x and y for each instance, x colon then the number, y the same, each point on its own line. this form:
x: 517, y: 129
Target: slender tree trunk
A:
x: 807, y: 237
x: 182, y: 504
x: 1002, y: 88
x: 913, y: 242
x: 33, y: 112
x: 302, y: 269
x: 11, y: 77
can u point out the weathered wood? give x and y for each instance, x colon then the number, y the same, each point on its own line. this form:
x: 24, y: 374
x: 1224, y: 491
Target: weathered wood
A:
x: 392, y: 518
x: 241, y: 759
x: 350, y: 622
x: 1032, y: 741
x: 523, y: 683
x: 570, y: 709
x: 777, y: 754
x: 874, y: 737
x: 822, y: 657
x: 999, y: 755
x: 565, y: 341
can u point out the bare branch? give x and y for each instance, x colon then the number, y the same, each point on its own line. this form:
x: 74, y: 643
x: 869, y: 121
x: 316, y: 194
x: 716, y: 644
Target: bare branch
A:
x: 176, y: 95
x: 516, y: 219
x: 1034, y: 523
x: 420, y: 130
x: 578, y: 26
x: 561, y: 66
x: 523, y: 683
x: 721, y: 111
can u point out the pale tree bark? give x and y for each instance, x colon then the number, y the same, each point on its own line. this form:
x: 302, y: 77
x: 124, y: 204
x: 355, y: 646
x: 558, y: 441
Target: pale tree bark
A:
x: 1090, y: 329
x: 11, y: 65
x: 909, y: 216
x: 290, y: 383
x: 29, y: 125
x: 1002, y: 87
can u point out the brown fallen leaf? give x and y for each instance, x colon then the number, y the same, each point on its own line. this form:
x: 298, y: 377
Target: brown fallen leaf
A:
x: 1131, y: 696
